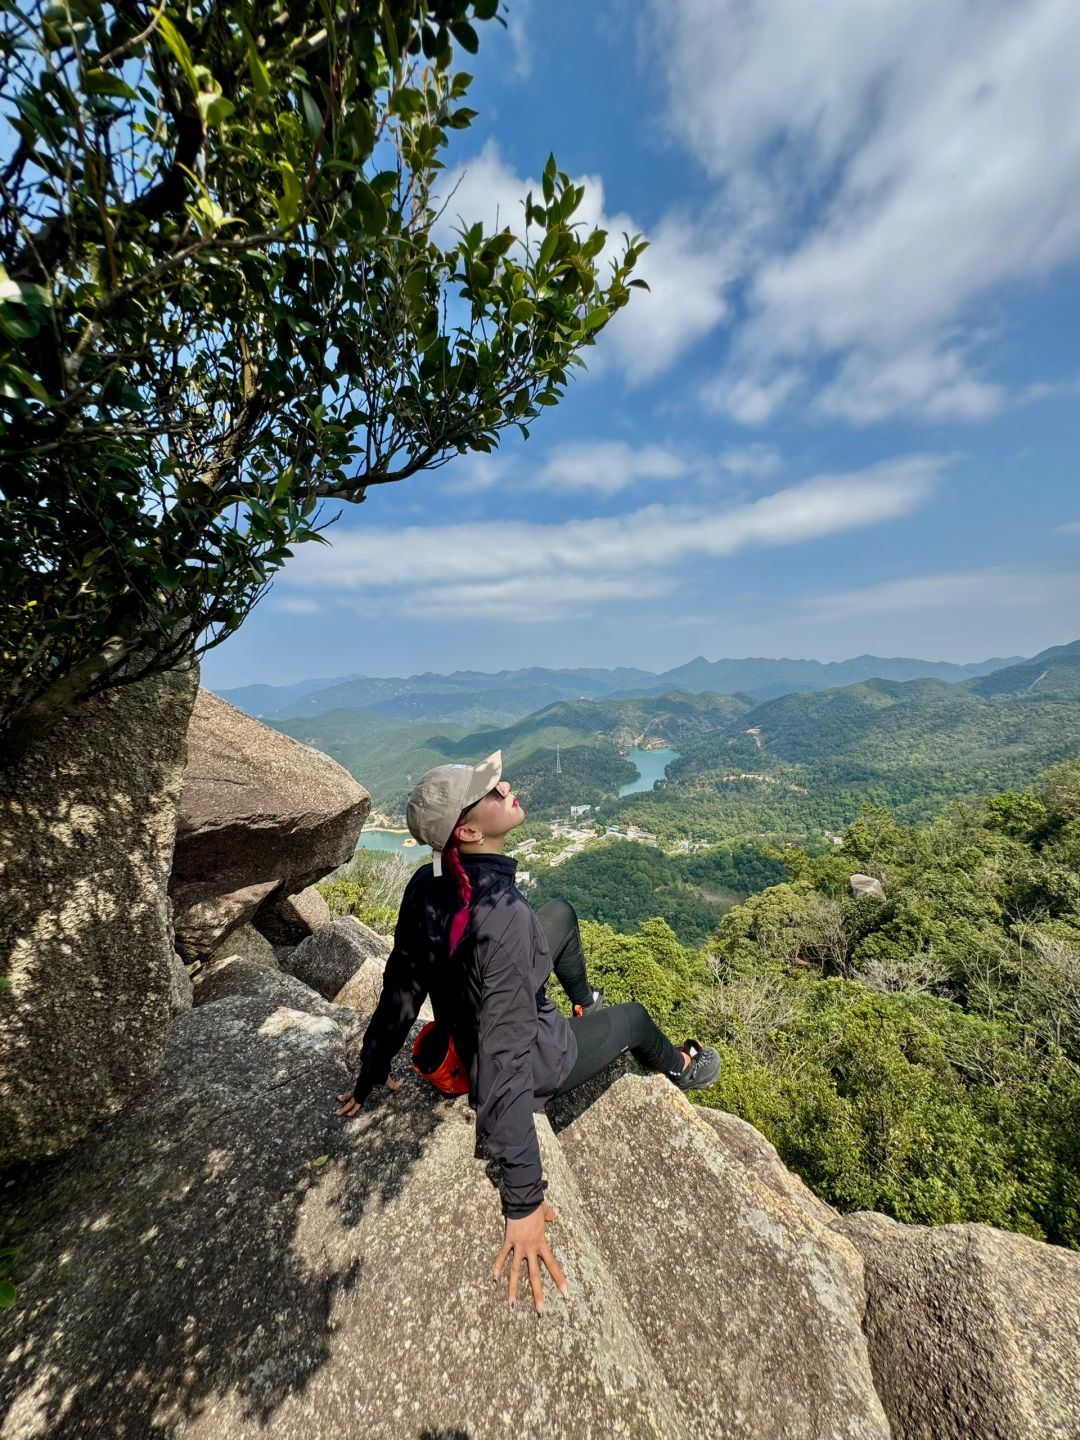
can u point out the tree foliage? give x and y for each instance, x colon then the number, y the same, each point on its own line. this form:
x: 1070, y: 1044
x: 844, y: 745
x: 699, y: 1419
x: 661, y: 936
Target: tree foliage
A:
x: 226, y: 297
x: 919, y: 1055
x: 623, y: 883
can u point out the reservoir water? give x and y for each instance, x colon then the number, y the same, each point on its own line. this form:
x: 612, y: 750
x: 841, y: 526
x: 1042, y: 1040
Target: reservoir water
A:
x: 651, y: 764
x: 393, y: 840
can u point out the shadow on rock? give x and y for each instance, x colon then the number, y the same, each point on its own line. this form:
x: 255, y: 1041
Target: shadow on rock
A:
x: 166, y: 1263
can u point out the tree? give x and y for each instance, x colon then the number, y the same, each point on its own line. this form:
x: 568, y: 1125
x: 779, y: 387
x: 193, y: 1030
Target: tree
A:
x: 224, y: 300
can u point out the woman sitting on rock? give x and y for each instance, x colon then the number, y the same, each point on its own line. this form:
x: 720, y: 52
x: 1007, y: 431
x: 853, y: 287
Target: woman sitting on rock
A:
x: 467, y: 937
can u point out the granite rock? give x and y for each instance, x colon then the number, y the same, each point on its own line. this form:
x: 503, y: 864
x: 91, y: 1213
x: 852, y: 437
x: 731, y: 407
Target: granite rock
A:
x: 261, y: 816
x: 330, y: 958
x: 87, y: 823
x: 974, y: 1332
x: 289, y: 919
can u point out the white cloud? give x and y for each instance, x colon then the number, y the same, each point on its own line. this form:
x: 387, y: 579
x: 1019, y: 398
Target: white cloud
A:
x: 996, y: 587
x: 297, y: 605
x: 933, y: 383
x: 543, y: 570
x: 685, y: 268
x: 602, y: 466
x: 1050, y: 389
x: 750, y: 399
x: 518, y: 19
x: 1072, y: 528
x: 897, y: 164
x: 751, y: 462
x: 606, y: 466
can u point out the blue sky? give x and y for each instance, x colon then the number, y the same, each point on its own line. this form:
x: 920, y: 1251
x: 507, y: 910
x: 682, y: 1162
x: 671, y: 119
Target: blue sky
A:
x: 846, y: 418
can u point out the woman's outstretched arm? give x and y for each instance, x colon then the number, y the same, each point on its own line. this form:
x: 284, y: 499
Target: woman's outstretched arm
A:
x: 404, y: 990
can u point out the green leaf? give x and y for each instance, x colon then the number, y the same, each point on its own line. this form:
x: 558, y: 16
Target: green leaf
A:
x: 596, y: 318
x: 548, y: 248
x: 17, y: 324
x: 322, y: 1160
x: 215, y: 108
x: 368, y: 204
x: 521, y: 311
x: 103, y: 82
x: 179, y: 47
x: 485, y: 9
x: 7, y: 1294
x: 312, y: 113
x: 288, y: 204
x: 549, y: 179
x: 260, y: 76
x: 465, y: 35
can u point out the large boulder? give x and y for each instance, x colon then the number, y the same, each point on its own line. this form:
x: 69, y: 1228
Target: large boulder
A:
x: 228, y: 1259
x: 87, y: 823
x: 330, y: 958
x: 751, y: 1307
x: 289, y: 919
x: 248, y: 944
x: 866, y: 887
x: 234, y: 975
x: 974, y: 1332
x: 748, y: 1147
x: 262, y: 817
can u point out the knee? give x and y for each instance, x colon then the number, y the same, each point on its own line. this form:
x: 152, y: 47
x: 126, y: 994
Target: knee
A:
x: 636, y: 1014
x: 561, y: 913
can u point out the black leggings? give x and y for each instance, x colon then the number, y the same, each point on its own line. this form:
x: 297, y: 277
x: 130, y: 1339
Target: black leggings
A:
x: 608, y: 1032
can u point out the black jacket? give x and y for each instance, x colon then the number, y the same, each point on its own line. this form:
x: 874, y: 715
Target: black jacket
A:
x: 490, y: 994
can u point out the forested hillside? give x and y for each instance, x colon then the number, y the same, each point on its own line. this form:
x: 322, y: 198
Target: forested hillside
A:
x: 803, y: 764
x: 789, y: 769
x: 918, y: 1055
x: 383, y: 752
x: 621, y: 884
x: 385, y: 755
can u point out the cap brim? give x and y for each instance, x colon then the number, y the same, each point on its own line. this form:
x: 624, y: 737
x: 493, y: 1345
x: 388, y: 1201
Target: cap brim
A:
x: 484, y: 778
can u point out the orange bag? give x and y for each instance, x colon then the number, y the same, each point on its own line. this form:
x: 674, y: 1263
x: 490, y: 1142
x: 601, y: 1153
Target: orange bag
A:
x: 450, y: 1075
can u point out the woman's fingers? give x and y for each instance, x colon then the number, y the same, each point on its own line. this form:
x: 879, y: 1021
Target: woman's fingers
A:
x: 555, y: 1270
x: 536, y: 1280
x: 349, y: 1107
x: 500, y: 1260
x: 515, y: 1269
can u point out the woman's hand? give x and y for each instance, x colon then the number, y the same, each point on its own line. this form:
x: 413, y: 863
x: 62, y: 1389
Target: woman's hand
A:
x: 350, y: 1107
x: 528, y: 1241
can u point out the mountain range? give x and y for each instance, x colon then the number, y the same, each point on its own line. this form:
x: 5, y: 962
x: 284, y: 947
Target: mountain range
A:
x: 475, y: 698
x: 791, y: 766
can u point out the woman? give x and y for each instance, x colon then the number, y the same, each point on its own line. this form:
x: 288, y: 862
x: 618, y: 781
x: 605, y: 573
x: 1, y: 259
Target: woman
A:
x: 467, y: 936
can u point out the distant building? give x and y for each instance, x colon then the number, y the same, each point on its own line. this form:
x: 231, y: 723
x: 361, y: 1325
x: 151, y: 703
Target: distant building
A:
x: 576, y: 810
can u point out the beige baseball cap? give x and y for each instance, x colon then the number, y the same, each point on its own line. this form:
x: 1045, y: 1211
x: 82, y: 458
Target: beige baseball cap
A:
x: 438, y: 798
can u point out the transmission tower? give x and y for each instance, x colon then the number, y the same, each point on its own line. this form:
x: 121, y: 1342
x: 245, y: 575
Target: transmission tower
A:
x: 558, y: 761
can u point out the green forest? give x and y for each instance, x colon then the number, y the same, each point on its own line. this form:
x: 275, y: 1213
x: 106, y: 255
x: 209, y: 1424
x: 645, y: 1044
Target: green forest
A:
x: 796, y: 767
x: 622, y: 884
x: 918, y: 1055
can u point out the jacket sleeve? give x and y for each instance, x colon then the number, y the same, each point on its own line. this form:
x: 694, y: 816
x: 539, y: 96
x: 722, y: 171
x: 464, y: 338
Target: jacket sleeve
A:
x: 403, y: 992
x: 504, y: 1081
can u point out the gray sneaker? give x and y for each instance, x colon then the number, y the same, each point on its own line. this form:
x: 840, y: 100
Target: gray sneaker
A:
x: 703, y: 1070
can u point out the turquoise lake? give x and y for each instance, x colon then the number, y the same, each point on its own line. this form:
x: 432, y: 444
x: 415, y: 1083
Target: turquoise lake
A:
x: 651, y: 765
x: 393, y: 841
